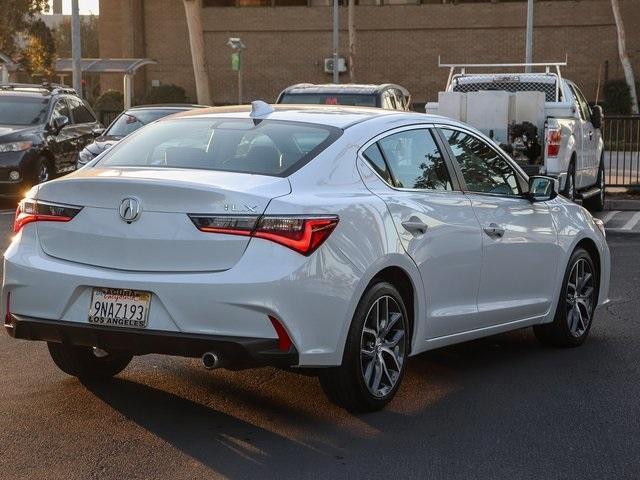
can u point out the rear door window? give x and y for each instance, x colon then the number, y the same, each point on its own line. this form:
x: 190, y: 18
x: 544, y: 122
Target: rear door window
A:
x: 415, y: 160
x: 267, y: 147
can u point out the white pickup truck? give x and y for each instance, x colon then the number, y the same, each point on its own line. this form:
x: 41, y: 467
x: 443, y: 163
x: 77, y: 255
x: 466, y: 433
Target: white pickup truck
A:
x: 541, y: 119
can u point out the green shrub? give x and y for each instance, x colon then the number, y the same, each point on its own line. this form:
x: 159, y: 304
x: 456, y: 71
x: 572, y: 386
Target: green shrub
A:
x: 165, y: 94
x: 109, y: 101
x: 616, y: 98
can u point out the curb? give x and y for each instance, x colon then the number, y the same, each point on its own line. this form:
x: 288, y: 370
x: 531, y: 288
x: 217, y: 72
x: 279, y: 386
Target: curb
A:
x: 621, y: 204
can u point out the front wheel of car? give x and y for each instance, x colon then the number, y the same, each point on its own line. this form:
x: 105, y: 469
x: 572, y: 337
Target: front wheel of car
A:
x: 576, y: 305
x: 375, y: 353
x: 87, y: 363
x: 596, y: 203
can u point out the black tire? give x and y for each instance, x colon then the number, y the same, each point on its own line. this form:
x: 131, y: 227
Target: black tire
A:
x: 560, y: 333
x: 570, y: 184
x: 345, y: 385
x: 83, y: 363
x: 596, y: 203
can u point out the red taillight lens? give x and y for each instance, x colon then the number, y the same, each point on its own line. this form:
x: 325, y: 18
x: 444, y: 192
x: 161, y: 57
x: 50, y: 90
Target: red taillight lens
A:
x: 302, y: 234
x: 553, y: 141
x: 36, y: 211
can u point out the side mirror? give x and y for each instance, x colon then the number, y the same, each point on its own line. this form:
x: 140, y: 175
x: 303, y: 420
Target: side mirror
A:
x: 542, y: 188
x: 596, y: 116
x: 59, y: 123
x: 97, y: 131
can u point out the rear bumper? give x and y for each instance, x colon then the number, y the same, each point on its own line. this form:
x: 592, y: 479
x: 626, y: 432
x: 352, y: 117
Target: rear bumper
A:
x: 234, y: 352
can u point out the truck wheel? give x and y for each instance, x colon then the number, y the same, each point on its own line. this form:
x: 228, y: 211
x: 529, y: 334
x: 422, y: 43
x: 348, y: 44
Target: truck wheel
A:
x: 596, y: 203
x: 87, y: 363
x: 375, y: 354
x: 570, y: 184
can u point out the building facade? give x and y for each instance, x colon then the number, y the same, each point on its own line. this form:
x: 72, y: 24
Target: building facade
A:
x: 397, y: 42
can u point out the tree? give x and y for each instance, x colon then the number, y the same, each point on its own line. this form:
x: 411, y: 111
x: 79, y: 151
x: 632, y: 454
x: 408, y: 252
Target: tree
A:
x: 352, y: 41
x: 624, y: 58
x: 15, y: 19
x: 193, y: 12
x: 88, y: 33
x: 39, y: 53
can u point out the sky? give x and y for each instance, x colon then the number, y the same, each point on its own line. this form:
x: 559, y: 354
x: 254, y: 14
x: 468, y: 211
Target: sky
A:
x: 86, y: 7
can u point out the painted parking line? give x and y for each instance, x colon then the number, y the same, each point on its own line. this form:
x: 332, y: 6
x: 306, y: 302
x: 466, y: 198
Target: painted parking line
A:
x: 632, y: 222
x: 609, y: 215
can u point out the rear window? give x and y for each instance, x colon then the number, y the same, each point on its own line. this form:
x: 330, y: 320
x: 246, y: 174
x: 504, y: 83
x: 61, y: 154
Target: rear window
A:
x: 264, y: 147
x: 506, y: 85
x: 355, y: 99
x: 132, y: 120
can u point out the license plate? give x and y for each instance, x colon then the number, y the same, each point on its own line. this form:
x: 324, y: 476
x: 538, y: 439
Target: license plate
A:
x: 119, y: 307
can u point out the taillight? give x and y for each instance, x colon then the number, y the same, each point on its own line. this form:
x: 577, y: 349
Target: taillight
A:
x: 37, y: 211
x: 553, y: 141
x: 302, y: 234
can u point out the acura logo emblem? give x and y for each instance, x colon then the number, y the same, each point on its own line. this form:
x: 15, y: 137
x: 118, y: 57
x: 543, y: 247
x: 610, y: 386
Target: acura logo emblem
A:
x: 130, y: 209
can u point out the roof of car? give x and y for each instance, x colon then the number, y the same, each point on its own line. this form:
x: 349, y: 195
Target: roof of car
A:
x: 41, y: 90
x: 168, y: 106
x: 337, y: 116
x: 348, y: 88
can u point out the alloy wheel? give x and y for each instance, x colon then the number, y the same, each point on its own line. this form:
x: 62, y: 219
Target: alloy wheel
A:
x: 382, y: 346
x: 580, y: 297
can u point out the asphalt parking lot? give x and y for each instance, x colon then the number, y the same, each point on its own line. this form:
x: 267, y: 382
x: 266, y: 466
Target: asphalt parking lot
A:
x: 502, y: 407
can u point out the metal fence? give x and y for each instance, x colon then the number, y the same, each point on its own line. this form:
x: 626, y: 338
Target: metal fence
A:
x: 622, y: 150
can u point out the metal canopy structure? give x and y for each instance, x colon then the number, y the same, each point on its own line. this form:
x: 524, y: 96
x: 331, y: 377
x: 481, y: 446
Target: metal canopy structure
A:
x: 126, y: 66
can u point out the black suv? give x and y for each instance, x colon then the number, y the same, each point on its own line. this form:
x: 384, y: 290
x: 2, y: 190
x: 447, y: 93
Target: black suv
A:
x: 387, y: 95
x: 42, y: 130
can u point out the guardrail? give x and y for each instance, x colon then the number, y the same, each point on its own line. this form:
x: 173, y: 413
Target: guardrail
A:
x: 622, y: 150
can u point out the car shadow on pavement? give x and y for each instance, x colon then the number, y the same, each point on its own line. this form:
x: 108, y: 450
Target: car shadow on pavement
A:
x: 278, y: 425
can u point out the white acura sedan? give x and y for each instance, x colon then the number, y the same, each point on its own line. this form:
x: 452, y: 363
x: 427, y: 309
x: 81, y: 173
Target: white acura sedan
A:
x: 339, y: 240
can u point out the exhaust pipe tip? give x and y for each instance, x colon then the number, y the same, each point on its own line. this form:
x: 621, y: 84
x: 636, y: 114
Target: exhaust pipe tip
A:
x: 210, y: 360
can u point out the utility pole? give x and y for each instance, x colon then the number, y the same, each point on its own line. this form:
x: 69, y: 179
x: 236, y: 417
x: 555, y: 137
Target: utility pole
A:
x: 76, y: 47
x: 336, y: 42
x: 352, y: 41
x: 529, y: 46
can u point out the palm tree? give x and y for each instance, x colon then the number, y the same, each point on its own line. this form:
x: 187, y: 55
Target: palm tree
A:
x: 193, y: 11
x: 624, y: 58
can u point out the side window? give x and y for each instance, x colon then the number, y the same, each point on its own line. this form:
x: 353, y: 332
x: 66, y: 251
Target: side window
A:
x: 415, y: 160
x: 376, y: 160
x: 483, y: 169
x: 60, y: 109
x: 582, y: 103
x: 81, y: 114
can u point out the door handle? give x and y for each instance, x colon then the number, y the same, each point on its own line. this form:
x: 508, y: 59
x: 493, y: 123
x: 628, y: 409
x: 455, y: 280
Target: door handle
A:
x: 590, y: 134
x: 494, y: 231
x: 415, y: 227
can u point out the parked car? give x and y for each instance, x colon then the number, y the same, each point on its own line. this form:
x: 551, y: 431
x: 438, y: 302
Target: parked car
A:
x: 127, y: 122
x: 542, y: 119
x: 42, y: 130
x: 388, y: 95
x: 338, y: 241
